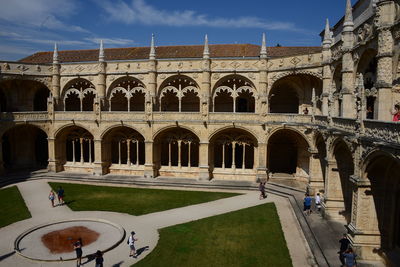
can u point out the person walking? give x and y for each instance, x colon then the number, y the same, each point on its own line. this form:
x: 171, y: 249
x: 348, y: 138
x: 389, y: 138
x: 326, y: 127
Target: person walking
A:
x: 131, y: 243
x: 261, y: 187
x: 344, y: 245
x: 99, y: 260
x: 60, y: 194
x: 318, y: 202
x: 307, y: 204
x: 350, y: 258
x: 51, y: 197
x: 78, y: 251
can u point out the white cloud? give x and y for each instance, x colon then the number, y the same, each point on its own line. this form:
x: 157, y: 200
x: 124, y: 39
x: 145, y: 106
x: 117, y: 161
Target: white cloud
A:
x: 138, y: 11
x: 39, y: 13
x: 111, y: 41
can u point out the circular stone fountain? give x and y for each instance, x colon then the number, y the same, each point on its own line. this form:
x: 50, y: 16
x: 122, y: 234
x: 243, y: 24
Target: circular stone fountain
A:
x: 54, y: 241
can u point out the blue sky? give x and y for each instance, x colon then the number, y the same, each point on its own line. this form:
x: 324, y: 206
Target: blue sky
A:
x: 28, y: 26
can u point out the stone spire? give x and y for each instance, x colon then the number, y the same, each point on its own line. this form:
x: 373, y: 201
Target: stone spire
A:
x: 206, y: 52
x: 152, y: 55
x: 101, y: 51
x: 263, y: 52
x: 348, y: 25
x: 327, y: 34
x: 55, y: 54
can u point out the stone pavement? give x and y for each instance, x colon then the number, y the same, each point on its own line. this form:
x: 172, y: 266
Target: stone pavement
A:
x: 35, y: 194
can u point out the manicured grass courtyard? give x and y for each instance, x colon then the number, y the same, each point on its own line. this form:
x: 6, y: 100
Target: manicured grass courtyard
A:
x: 13, y: 208
x: 134, y: 201
x: 251, y: 237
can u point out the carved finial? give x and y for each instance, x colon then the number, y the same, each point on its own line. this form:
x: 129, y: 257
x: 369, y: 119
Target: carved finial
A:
x: 348, y: 18
x: 263, y: 52
x: 55, y: 54
x: 152, y: 55
x: 327, y: 34
x: 101, y: 51
x: 360, y: 81
x: 206, y: 52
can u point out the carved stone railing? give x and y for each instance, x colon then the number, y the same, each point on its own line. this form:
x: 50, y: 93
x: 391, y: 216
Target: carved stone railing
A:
x: 288, y: 118
x: 24, y: 116
x: 237, y: 117
x: 321, y: 120
x: 74, y: 115
x: 383, y: 130
x: 373, y: 129
x: 346, y: 124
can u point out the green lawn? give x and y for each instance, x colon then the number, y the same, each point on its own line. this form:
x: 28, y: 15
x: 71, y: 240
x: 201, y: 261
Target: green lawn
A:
x: 135, y: 201
x: 251, y: 237
x: 13, y: 208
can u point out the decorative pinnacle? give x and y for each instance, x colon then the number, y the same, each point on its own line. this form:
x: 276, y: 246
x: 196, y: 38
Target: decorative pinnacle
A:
x: 101, y: 51
x: 152, y: 55
x: 55, y: 54
x: 206, y: 52
x: 348, y: 18
x: 263, y: 52
x: 327, y: 34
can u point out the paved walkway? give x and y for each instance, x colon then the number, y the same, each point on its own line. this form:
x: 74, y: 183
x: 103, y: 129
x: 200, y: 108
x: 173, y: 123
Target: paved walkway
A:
x: 35, y: 194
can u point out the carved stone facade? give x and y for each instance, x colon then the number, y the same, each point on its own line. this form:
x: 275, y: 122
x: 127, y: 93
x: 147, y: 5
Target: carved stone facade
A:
x: 302, y: 115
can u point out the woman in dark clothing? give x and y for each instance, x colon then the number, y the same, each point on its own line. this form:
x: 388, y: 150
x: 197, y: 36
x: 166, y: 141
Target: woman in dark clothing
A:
x: 99, y: 259
x: 78, y: 250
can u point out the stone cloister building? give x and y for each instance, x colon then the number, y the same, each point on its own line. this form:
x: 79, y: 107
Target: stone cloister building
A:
x: 234, y: 112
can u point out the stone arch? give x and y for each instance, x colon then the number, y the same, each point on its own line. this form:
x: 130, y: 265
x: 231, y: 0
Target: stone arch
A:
x: 288, y: 153
x: 290, y: 73
x: 176, y: 152
x: 74, y: 148
x: 232, y: 153
x: 380, y: 210
x: 126, y: 94
x: 24, y: 151
x: 179, y: 93
x: 367, y: 65
x: 249, y: 131
x: 124, y: 150
x: 320, y: 145
x: 339, y: 187
x: 108, y: 129
x: 78, y: 95
x: 23, y: 95
x: 293, y: 94
x: 234, y: 93
x: 169, y: 127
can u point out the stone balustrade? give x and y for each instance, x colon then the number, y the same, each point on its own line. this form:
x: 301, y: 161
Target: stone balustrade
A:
x: 379, y: 130
x: 24, y: 116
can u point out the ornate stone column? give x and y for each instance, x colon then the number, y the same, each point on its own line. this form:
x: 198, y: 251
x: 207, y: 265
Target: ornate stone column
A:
x: 151, y: 96
x: 348, y: 105
x: 149, y: 171
x: 55, y: 79
x: 334, y: 203
x: 326, y: 68
x: 101, y: 76
x: 385, y: 19
x: 364, y: 229
x: 262, y: 171
x: 99, y: 165
x: 205, y: 82
x: 316, y: 182
x: 263, y: 84
x: 54, y: 163
x: 204, y: 170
